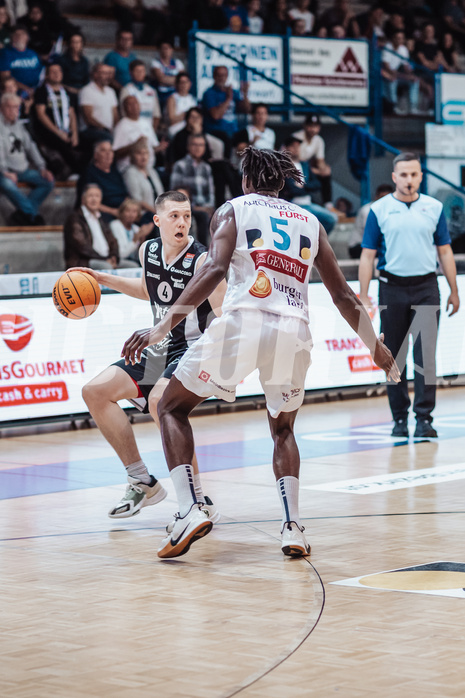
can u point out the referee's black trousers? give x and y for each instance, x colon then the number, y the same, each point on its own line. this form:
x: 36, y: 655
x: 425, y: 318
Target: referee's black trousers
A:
x: 410, y: 306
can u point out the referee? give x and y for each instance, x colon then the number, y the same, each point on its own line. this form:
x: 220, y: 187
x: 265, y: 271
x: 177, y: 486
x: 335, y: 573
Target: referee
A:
x: 408, y: 231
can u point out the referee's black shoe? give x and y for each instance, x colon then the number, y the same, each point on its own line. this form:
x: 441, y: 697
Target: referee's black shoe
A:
x: 400, y: 428
x: 425, y: 429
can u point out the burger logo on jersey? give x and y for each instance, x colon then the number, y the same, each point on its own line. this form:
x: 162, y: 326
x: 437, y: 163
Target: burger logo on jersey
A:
x: 261, y: 287
x: 16, y: 331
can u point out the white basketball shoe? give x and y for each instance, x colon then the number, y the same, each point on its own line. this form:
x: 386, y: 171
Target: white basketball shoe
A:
x: 294, y: 543
x: 138, y: 494
x: 186, y: 530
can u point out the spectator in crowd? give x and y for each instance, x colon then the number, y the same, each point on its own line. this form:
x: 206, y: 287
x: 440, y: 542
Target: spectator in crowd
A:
x: 453, y: 15
x: 301, y: 194
x: 221, y: 104
x: 157, y: 21
x: 231, y: 9
x: 179, y: 103
x: 394, y: 23
x: 224, y: 174
x: 40, y: 37
x: 298, y: 28
x: 301, y: 11
x: 312, y: 150
x: 449, y: 53
x: 371, y: 23
x: 340, y: 14
x: 142, y: 181
x: 56, y: 121
x: 10, y: 86
x: 254, y: 17
x: 99, y: 106
x: 427, y: 51
x: 209, y: 14
x: 356, y: 236
x: 57, y: 24
x: 74, y: 64
x: 88, y: 239
x: 337, y: 31
x: 429, y: 56
x: 21, y: 62
x: 396, y: 72
x: 128, y: 234
x: 235, y: 25
x: 164, y: 71
x: 343, y: 207
x: 130, y: 129
x: 15, y: 9
x: 121, y: 58
x: 260, y: 135
x: 194, y: 124
x: 145, y: 93
x: 21, y: 161
x: 5, y: 37
x: 103, y: 171
x: 277, y: 20
x: 195, y: 174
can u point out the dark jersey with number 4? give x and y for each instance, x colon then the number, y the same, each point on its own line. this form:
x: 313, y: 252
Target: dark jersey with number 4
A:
x: 165, y: 283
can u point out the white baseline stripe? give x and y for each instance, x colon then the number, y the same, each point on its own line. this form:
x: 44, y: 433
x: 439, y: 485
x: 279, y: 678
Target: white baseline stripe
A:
x: 397, y: 481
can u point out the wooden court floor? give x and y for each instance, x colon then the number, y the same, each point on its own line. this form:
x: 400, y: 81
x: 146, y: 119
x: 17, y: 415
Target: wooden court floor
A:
x: 89, y: 610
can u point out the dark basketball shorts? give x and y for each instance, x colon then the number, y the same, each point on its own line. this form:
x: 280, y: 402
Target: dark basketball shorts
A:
x: 153, y: 365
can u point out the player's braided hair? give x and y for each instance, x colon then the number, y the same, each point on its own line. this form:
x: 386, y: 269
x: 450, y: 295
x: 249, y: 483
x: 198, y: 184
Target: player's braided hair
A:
x: 268, y: 169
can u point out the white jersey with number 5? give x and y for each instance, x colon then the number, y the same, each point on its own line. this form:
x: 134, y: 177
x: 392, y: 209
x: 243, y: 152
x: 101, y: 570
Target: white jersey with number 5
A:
x: 276, y: 244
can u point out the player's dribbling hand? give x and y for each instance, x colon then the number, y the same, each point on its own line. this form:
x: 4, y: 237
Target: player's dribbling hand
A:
x: 137, y: 342
x: 87, y: 270
x: 385, y: 360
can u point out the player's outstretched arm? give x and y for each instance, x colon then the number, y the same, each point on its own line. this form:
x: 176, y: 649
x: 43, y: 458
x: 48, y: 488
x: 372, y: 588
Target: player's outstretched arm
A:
x: 136, y: 288
x: 201, y: 286
x: 351, y: 308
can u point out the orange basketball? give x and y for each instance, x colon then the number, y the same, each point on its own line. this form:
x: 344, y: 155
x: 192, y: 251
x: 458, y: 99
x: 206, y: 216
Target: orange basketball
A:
x: 76, y: 295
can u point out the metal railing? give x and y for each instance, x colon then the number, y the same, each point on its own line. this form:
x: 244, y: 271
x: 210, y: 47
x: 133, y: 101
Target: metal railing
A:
x: 319, y: 109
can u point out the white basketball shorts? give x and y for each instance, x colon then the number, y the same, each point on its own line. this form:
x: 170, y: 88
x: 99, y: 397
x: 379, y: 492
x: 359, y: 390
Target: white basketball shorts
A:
x: 242, y: 340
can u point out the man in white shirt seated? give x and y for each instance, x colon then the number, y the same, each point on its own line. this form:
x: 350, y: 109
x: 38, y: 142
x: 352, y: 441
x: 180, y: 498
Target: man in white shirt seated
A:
x: 131, y: 129
x: 88, y: 239
x: 396, y: 72
x: 99, y: 106
x: 260, y: 135
x: 312, y: 150
x: 145, y: 93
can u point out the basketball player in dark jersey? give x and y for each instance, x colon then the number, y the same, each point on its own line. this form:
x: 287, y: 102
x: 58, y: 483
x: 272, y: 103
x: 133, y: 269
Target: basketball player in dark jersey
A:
x: 169, y: 263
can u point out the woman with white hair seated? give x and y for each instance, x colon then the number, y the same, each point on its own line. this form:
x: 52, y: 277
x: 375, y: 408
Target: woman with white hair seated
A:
x: 142, y: 181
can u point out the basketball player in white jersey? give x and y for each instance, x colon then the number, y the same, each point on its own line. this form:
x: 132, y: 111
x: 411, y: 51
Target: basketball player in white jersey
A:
x: 169, y: 264
x: 269, y: 246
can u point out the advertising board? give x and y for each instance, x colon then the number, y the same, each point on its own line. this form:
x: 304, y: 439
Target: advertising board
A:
x: 45, y: 359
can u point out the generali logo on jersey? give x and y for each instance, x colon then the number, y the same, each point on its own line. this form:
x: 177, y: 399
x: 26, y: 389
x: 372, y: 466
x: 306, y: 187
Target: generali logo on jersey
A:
x: 16, y: 331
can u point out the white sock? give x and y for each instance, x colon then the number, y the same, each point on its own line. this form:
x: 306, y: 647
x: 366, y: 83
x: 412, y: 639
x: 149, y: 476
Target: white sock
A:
x: 198, y: 488
x: 139, y: 471
x: 288, y: 490
x: 183, y: 481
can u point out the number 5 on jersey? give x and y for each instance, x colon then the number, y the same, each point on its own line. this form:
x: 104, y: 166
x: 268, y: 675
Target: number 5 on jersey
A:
x: 281, y: 239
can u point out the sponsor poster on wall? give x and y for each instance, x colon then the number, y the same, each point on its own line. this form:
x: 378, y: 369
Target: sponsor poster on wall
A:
x: 45, y: 359
x: 333, y: 72
x: 450, y: 98
x: 264, y: 53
